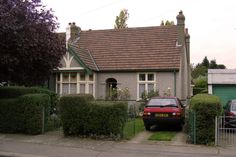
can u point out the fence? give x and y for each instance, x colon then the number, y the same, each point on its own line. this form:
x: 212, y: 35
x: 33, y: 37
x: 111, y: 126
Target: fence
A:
x: 225, y: 131
x: 192, y: 126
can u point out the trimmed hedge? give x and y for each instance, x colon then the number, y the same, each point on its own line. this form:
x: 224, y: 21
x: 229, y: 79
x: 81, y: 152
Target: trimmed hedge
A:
x: 107, y: 118
x: 10, y: 116
x: 25, y: 114
x: 81, y: 115
x: 206, y: 107
x: 74, y: 113
x: 17, y: 91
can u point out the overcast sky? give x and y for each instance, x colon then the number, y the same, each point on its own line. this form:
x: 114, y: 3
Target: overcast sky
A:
x: 211, y: 23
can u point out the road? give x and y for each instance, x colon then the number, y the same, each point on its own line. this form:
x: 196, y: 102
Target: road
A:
x: 28, y: 146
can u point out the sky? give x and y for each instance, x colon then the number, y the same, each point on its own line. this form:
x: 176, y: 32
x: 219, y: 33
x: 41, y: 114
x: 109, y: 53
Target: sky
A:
x: 211, y: 23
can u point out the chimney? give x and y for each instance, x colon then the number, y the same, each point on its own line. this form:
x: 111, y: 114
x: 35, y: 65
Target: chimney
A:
x: 181, y: 26
x: 72, y: 32
x: 187, y: 42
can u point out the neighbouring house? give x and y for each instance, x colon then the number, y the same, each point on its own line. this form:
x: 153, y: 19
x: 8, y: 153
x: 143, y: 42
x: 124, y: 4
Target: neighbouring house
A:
x: 138, y: 60
x: 222, y: 83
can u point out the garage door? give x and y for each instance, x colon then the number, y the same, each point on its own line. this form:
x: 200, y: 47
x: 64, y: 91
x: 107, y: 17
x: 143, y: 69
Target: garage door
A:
x: 225, y: 92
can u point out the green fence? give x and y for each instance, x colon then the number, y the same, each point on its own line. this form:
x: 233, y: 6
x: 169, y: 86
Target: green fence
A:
x: 192, y: 126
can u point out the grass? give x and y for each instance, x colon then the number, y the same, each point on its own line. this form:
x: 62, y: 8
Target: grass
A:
x: 130, y: 131
x: 162, y: 136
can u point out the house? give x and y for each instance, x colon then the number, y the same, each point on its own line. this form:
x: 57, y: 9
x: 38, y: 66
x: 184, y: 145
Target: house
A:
x: 222, y: 83
x: 139, y: 60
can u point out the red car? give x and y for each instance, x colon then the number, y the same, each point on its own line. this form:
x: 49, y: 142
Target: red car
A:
x: 163, y: 111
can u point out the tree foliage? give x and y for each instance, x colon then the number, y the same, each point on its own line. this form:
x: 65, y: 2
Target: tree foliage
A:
x: 121, y: 20
x: 201, y: 68
x: 167, y: 23
x: 30, y: 49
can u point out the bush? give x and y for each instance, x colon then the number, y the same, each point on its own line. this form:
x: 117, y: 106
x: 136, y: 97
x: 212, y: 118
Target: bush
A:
x: 108, y: 118
x: 25, y: 114
x: 10, y: 116
x: 206, y: 107
x: 74, y: 113
x: 16, y: 91
x: 80, y: 115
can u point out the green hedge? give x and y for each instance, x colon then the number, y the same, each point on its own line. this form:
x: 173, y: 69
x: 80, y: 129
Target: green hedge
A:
x: 16, y: 91
x: 107, y: 118
x: 74, y: 113
x: 81, y: 115
x: 206, y: 107
x: 9, y: 116
x: 25, y: 114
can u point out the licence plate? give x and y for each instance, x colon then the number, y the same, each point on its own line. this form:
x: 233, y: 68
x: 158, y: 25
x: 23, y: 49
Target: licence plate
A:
x: 161, y: 115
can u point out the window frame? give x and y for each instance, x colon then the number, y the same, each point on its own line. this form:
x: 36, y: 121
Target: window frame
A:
x: 146, y: 82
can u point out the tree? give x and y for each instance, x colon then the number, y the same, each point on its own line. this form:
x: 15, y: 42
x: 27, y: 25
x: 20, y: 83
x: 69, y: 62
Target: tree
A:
x: 199, y: 74
x: 167, y: 23
x: 205, y: 62
x: 213, y: 64
x: 30, y: 49
x: 121, y: 20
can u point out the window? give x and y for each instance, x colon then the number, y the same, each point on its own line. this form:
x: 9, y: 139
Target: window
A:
x: 82, y: 88
x: 73, y: 88
x: 91, y: 77
x: 82, y: 76
x: 150, y: 77
x: 141, y: 77
x: 91, y: 89
x: 73, y: 77
x: 65, y: 88
x: 146, y: 83
x: 141, y: 90
x: 65, y: 77
x: 74, y: 82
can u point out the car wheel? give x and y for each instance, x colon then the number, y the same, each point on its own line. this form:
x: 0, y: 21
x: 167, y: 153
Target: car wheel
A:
x: 147, y: 127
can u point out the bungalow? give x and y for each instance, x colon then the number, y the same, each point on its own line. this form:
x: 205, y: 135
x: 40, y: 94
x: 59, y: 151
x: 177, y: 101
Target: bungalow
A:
x: 138, y: 60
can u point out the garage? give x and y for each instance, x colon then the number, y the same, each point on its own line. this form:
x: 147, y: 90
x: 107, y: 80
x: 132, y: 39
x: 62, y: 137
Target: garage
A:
x: 225, y: 92
x: 222, y: 83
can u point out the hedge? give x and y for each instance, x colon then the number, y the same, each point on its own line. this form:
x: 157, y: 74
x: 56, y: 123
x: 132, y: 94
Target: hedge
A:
x: 206, y: 107
x: 25, y: 114
x: 74, y: 113
x: 107, y: 118
x: 81, y: 115
x: 16, y: 91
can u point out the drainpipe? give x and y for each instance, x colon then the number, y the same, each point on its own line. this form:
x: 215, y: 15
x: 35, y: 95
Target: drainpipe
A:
x: 174, y: 82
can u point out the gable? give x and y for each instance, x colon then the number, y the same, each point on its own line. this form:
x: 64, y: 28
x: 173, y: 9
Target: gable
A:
x: 68, y: 61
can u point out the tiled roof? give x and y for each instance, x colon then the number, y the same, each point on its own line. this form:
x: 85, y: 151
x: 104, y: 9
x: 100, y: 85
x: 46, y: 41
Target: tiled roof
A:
x: 85, y: 56
x: 144, y: 48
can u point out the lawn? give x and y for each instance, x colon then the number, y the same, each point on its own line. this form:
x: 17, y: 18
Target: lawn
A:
x: 162, y: 136
x: 133, y: 127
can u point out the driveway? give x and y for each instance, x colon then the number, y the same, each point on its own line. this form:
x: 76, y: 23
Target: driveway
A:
x: 54, y: 144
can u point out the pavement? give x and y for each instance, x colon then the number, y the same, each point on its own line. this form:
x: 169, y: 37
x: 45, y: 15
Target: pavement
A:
x: 54, y: 144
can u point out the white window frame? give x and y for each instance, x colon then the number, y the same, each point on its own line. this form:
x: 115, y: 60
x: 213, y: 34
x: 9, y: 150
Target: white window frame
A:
x: 78, y: 82
x: 146, y: 82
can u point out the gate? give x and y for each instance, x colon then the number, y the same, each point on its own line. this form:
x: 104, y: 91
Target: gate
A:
x: 225, y: 131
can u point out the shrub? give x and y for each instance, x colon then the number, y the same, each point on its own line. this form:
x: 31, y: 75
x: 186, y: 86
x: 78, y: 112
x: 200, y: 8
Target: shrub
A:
x: 74, y: 113
x: 80, y: 115
x: 25, y: 114
x: 34, y: 105
x: 206, y: 107
x: 10, y: 116
x: 107, y: 118
x: 16, y: 91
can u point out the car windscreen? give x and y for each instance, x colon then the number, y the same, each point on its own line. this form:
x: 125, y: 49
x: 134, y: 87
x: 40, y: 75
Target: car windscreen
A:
x: 162, y: 102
